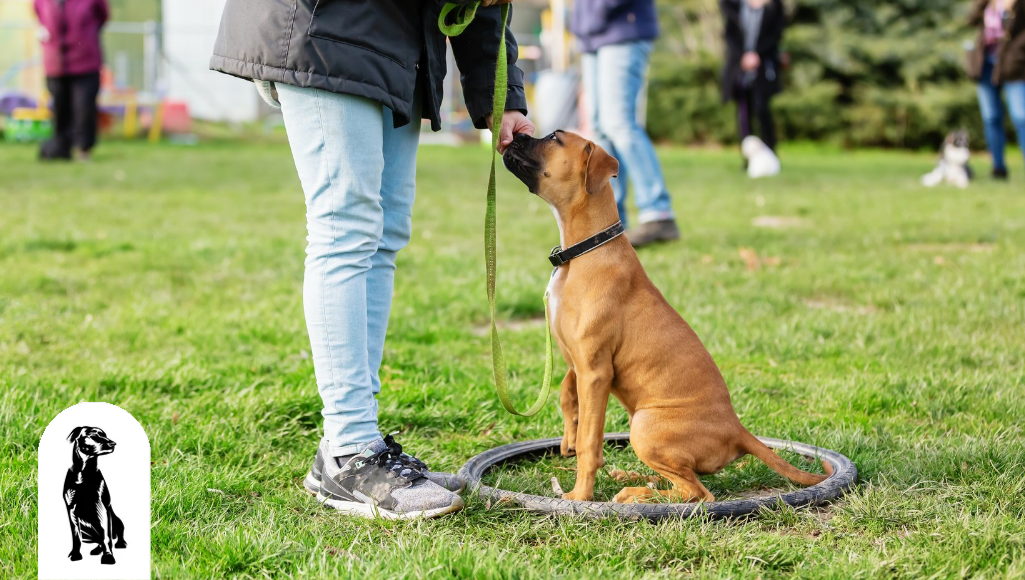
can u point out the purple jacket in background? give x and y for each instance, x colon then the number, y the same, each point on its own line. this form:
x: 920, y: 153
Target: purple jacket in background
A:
x: 597, y: 23
x: 73, y: 27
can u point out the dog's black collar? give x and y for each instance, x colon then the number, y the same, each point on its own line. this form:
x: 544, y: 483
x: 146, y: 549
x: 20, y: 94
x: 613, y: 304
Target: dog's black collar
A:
x: 559, y: 256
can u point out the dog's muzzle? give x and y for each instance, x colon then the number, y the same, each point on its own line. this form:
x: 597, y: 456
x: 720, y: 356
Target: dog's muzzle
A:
x: 521, y: 159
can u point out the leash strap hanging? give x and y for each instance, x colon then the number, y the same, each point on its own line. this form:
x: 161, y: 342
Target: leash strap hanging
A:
x: 463, y: 18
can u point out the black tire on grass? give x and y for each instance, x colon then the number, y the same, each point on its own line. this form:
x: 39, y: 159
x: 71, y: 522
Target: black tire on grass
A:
x: 844, y: 476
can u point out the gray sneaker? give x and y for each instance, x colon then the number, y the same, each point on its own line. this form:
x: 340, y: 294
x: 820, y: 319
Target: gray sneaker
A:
x: 449, y: 481
x: 380, y: 482
x: 651, y: 232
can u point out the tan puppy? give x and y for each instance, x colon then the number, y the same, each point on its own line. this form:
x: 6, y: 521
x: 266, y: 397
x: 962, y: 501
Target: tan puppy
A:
x: 619, y: 336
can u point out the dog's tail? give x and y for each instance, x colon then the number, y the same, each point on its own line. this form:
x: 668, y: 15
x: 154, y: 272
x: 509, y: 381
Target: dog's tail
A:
x: 752, y: 445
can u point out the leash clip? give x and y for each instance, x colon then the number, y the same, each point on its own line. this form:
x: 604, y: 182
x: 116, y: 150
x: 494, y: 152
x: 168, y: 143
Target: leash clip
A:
x: 555, y: 257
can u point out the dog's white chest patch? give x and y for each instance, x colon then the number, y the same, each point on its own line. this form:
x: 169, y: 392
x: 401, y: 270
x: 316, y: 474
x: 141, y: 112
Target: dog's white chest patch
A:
x: 553, y: 296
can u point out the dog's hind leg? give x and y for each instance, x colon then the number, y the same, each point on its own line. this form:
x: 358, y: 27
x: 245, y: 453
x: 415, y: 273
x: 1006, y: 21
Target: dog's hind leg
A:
x: 633, y: 477
x: 117, y: 529
x: 686, y: 488
x: 634, y: 495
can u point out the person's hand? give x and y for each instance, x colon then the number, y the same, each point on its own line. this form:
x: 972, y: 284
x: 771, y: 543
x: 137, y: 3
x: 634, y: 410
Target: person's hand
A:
x: 751, y: 61
x: 513, y: 123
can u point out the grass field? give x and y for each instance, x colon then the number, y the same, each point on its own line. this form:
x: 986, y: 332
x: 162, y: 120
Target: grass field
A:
x: 846, y: 306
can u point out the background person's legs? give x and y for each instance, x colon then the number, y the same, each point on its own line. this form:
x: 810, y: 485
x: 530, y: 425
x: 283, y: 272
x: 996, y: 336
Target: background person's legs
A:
x: 743, y: 112
x: 84, y: 91
x: 398, y: 190
x: 762, y: 108
x: 622, y: 69
x: 338, y: 145
x: 591, y: 80
x: 1015, y: 93
x: 59, y: 146
x: 992, y: 116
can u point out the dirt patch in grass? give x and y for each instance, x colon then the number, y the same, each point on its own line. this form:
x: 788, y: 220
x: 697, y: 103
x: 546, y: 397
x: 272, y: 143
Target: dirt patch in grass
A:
x: 779, y: 222
x: 837, y: 306
x: 967, y: 248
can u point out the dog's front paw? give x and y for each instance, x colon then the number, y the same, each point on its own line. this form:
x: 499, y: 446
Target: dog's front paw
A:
x: 566, y: 450
x: 578, y: 496
x: 107, y: 559
x: 75, y: 555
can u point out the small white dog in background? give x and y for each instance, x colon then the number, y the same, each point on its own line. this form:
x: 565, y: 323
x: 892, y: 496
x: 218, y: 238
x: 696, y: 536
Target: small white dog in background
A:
x: 953, y: 165
x: 761, y: 161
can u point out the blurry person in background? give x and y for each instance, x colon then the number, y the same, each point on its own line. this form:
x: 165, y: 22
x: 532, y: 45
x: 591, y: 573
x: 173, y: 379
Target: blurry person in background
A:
x: 616, y: 38
x: 999, y: 66
x: 754, y: 29
x: 72, y: 58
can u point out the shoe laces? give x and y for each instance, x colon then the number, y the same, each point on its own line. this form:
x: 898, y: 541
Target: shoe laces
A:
x: 393, y: 460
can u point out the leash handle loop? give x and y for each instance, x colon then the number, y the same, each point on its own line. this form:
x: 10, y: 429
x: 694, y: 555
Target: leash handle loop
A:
x: 463, y: 18
x: 499, y: 368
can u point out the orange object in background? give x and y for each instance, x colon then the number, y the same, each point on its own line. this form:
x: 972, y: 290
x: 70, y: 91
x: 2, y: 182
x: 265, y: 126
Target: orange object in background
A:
x: 177, y: 119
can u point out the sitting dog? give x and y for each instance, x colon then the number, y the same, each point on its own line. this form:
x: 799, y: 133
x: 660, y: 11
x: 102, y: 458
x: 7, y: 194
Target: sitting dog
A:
x: 953, y: 164
x: 619, y: 336
x: 87, y: 497
x: 761, y: 161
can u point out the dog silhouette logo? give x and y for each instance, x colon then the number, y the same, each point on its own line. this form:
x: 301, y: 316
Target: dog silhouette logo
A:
x: 87, y: 497
x: 94, y: 506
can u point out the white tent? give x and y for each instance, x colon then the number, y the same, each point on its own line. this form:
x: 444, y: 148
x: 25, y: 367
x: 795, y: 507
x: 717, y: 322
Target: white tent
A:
x: 190, y: 28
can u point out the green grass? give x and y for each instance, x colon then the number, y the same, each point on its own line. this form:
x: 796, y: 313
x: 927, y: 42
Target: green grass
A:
x: 888, y: 325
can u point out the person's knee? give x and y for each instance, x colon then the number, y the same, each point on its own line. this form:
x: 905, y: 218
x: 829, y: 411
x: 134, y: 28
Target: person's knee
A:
x: 397, y: 232
x: 618, y: 127
x: 333, y: 236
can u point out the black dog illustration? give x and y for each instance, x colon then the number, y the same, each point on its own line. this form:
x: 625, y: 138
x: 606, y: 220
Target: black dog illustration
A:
x: 88, y: 499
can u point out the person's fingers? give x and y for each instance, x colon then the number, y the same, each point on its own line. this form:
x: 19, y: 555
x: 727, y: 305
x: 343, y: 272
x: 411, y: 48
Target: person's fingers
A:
x: 505, y: 136
x: 525, y: 127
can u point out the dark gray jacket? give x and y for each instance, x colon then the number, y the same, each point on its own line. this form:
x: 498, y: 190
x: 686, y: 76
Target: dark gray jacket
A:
x: 380, y: 49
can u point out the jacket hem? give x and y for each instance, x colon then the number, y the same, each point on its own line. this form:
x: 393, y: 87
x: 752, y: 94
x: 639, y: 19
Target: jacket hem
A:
x: 261, y: 72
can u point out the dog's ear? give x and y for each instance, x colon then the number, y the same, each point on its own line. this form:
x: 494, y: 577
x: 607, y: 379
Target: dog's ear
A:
x: 601, y: 167
x: 76, y: 433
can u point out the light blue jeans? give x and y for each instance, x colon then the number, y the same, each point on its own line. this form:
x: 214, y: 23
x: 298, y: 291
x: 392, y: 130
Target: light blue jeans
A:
x: 359, y: 176
x: 993, y: 112
x: 613, y: 79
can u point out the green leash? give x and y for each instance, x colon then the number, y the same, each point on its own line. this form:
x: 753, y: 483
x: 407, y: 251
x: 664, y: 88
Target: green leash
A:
x: 462, y: 19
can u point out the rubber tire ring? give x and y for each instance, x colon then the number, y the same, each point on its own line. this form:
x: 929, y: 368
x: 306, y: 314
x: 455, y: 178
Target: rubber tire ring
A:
x: 845, y: 474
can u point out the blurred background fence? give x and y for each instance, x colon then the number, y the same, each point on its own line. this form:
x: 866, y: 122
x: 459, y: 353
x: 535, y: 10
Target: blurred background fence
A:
x: 864, y: 73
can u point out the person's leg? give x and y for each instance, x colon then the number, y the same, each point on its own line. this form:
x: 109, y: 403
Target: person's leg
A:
x: 623, y: 68
x: 398, y: 190
x: 766, y: 123
x: 992, y: 116
x: 1015, y: 93
x: 59, y: 147
x: 592, y: 78
x: 84, y: 91
x: 338, y: 142
x: 743, y: 112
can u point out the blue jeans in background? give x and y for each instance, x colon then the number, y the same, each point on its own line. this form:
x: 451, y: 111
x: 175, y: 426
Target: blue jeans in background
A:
x: 993, y: 112
x: 613, y: 78
x: 359, y: 176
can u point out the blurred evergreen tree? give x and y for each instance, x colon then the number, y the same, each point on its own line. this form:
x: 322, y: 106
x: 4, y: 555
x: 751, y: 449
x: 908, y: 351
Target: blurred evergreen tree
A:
x: 870, y: 72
